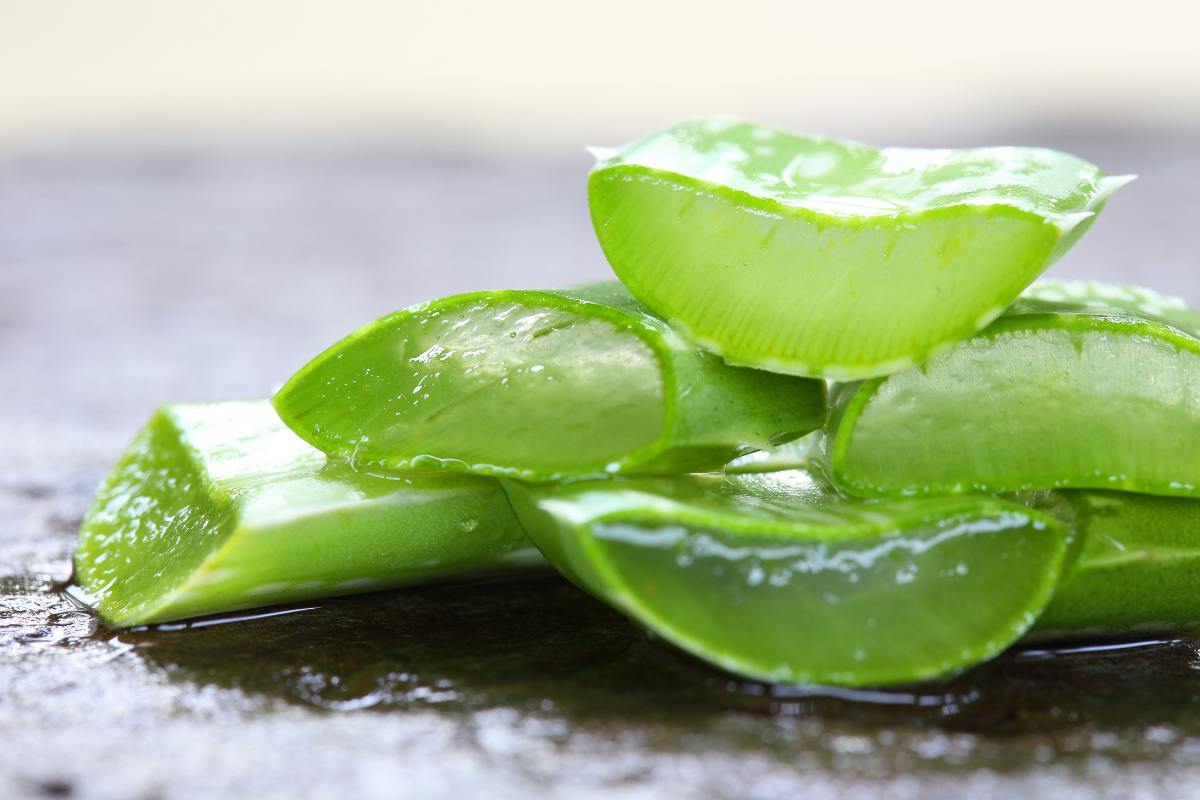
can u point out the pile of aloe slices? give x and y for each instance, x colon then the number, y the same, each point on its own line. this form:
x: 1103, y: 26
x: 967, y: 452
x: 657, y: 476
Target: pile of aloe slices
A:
x: 823, y: 430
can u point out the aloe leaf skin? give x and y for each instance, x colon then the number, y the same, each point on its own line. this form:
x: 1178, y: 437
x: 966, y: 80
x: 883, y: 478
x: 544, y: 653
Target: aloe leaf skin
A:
x: 827, y: 258
x: 1092, y: 391
x: 1137, y: 571
x: 773, y: 576
x: 541, y: 386
x: 219, y: 507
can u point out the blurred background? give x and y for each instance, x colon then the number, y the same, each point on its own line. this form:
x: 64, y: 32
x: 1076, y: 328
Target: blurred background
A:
x: 542, y: 77
x: 195, y: 197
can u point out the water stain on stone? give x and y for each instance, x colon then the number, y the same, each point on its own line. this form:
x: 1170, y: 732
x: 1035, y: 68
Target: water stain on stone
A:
x: 544, y: 645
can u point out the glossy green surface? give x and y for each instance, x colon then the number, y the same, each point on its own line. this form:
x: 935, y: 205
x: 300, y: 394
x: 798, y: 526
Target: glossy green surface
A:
x: 219, y: 507
x: 1095, y: 390
x: 819, y: 257
x: 1106, y: 299
x: 773, y: 576
x: 539, y: 385
x: 1137, y: 571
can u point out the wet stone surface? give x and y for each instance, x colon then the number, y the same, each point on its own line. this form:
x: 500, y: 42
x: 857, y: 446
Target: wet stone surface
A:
x: 126, y: 282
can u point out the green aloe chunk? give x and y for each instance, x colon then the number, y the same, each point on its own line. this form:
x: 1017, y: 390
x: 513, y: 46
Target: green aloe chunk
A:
x: 820, y: 257
x: 1137, y: 571
x: 1078, y: 386
x: 773, y: 576
x: 538, y: 385
x: 219, y: 507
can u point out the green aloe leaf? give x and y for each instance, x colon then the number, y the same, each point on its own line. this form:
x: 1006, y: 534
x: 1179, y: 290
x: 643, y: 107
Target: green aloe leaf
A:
x: 819, y: 257
x: 1137, y: 571
x: 219, y: 507
x: 1078, y: 386
x: 774, y: 576
x: 539, y: 385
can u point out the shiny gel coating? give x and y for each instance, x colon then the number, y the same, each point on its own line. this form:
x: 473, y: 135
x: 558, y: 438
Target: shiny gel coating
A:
x: 827, y: 258
x: 1078, y: 386
x: 538, y: 385
x: 774, y: 576
x: 1137, y: 571
x: 218, y: 507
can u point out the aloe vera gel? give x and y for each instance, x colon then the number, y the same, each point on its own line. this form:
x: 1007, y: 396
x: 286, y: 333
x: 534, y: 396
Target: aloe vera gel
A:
x: 832, y: 258
x: 1091, y: 391
x: 997, y: 461
x: 219, y: 507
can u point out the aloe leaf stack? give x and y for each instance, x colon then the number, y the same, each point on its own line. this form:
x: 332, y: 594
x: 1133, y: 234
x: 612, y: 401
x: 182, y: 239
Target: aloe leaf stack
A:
x: 826, y: 428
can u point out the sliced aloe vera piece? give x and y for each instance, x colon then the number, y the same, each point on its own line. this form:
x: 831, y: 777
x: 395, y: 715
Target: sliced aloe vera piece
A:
x: 1097, y: 390
x: 1137, y: 571
x: 819, y: 257
x: 772, y: 576
x: 219, y: 507
x: 538, y: 385
x: 1050, y: 296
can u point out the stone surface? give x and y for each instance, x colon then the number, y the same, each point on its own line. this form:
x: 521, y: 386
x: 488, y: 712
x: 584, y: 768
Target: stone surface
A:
x: 127, y: 281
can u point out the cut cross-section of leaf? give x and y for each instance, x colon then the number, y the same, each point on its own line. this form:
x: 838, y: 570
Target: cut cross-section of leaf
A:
x: 219, y: 507
x: 1078, y: 386
x: 819, y: 257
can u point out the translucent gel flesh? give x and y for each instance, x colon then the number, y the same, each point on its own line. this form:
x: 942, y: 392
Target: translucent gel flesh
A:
x: 219, y: 507
x: 508, y: 387
x: 152, y: 523
x: 805, y: 294
x: 1038, y: 402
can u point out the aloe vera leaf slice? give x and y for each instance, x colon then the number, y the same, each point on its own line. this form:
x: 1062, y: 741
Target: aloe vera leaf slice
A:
x: 219, y: 507
x: 539, y: 385
x: 774, y: 577
x: 1137, y: 571
x: 1091, y: 392
x: 1106, y: 299
x: 819, y: 257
